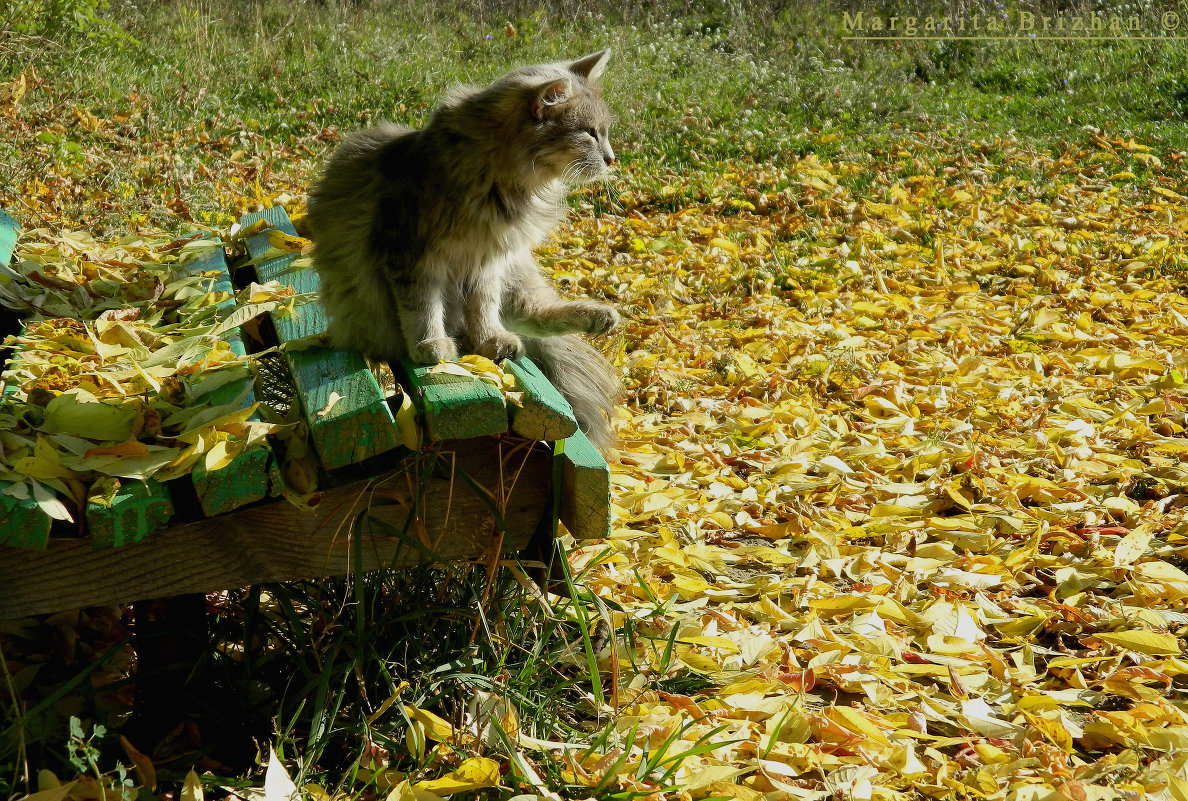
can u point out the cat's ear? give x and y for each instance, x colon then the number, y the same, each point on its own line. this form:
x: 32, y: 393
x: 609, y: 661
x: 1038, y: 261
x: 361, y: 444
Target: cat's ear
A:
x: 553, y: 93
x: 591, y: 66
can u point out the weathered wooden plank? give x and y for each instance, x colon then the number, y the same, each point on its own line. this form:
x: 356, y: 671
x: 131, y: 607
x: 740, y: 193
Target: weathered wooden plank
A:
x: 23, y: 524
x: 309, y: 320
x: 585, y: 488
x: 237, y: 484
x: 245, y: 479
x: 454, y: 406
x: 138, y: 510
x: 542, y: 414
x: 276, y: 542
x: 10, y: 232
x: 340, y: 398
x: 10, y: 321
x: 348, y: 418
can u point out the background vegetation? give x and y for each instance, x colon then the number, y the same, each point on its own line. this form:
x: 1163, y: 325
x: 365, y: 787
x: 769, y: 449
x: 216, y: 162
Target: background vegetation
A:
x: 272, y: 84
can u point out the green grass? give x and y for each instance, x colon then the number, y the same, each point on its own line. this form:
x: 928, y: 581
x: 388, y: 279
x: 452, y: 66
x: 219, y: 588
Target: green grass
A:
x: 308, y: 666
x: 279, y: 82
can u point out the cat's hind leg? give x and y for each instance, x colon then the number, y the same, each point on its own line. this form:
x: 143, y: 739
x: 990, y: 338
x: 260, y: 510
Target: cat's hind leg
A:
x: 422, y: 321
x: 363, y: 317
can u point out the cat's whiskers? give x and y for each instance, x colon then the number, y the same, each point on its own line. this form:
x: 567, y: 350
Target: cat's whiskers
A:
x: 612, y: 193
x: 572, y: 171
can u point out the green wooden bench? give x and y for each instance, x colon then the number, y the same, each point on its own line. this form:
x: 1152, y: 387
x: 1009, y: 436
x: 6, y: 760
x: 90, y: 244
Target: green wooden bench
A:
x: 488, y: 473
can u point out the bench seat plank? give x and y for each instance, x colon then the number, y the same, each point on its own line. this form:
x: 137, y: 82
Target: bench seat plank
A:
x: 245, y: 479
x: 138, y: 509
x: 22, y: 523
x: 454, y: 406
x: 10, y: 232
x: 542, y: 414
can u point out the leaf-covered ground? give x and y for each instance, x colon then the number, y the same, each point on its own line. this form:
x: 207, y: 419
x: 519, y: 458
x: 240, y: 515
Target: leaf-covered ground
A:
x: 900, y: 505
x: 901, y: 487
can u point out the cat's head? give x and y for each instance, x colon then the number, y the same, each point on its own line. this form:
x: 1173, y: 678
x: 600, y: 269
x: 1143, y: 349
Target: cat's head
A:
x: 572, y: 123
x: 557, y: 119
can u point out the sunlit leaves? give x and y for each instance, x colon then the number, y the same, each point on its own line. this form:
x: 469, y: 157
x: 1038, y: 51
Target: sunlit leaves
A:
x: 921, y: 440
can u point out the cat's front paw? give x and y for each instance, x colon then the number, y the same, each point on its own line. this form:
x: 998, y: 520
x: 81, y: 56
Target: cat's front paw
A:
x: 503, y: 345
x: 432, y: 351
x: 594, y: 318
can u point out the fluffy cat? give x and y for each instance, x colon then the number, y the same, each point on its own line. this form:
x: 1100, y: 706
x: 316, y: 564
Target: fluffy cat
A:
x: 424, y: 237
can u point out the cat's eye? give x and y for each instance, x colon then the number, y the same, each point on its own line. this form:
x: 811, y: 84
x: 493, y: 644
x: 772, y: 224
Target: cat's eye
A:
x: 593, y: 133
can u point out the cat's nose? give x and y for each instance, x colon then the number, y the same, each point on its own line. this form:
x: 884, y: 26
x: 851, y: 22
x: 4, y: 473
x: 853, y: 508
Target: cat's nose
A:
x: 609, y: 156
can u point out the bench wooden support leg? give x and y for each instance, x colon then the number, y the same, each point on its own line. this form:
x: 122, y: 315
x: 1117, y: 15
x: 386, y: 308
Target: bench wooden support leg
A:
x: 171, y: 638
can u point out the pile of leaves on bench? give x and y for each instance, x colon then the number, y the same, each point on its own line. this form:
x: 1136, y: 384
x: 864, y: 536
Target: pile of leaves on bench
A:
x: 123, y: 370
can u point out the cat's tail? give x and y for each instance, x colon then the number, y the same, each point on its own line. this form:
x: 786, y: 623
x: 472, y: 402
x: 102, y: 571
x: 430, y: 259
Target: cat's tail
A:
x: 584, y: 378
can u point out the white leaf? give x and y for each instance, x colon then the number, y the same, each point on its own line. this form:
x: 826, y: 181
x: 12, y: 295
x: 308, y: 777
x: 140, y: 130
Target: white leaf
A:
x: 49, y: 502
x: 277, y: 784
